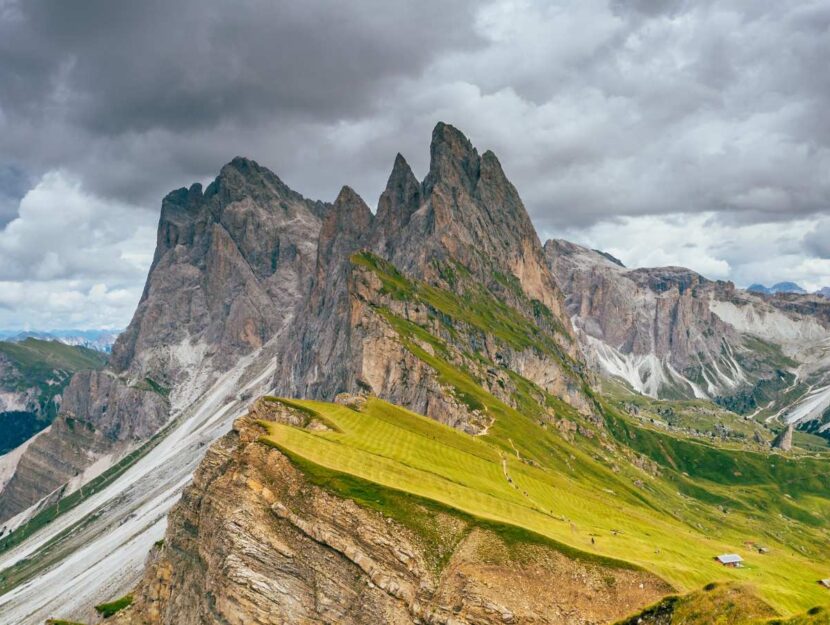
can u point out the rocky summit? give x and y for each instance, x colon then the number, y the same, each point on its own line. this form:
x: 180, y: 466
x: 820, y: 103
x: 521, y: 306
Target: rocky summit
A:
x: 325, y: 414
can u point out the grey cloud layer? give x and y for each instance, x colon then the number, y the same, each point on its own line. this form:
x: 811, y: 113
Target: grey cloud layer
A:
x: 599, y: 109
x: 109, y: 86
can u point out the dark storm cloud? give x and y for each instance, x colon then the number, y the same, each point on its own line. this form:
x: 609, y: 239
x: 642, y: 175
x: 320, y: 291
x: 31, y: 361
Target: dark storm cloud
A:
x: 13, y: 186
x: 134, y: 66
x: 645, y: 107
x: 124, y: 78
x: 702, y: 121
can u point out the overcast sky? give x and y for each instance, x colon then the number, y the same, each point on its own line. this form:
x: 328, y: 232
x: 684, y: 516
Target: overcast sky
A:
x: 693, y: 133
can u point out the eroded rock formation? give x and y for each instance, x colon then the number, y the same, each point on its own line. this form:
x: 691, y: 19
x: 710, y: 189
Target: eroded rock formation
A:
x: 254, y: 541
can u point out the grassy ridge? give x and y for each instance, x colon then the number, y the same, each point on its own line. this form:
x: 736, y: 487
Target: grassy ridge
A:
x: 399, y: 451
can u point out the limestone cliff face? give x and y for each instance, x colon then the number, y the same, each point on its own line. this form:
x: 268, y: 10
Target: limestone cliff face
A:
x: 662, y: 312
x: 231, y: 264
x: 467, y: 210
x: 253, y: 541
x: 670, y: 332
x: 463, y: 229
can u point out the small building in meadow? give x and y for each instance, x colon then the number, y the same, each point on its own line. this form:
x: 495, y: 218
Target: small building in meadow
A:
x: 730, y: 559
x: 825, y: 582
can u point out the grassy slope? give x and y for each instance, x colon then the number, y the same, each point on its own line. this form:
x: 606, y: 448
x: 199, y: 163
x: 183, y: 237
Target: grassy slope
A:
x: 694, y: 500
x: 46, y: 366
x: 394, y: 448
x: 35, y: 359
x: 692, y: 417
x: 721, y: 604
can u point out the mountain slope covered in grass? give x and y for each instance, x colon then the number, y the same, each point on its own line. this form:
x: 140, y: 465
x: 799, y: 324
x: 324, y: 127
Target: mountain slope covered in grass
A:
x: 572, y: 496
x: 33, y: 376
x: 601, y: 487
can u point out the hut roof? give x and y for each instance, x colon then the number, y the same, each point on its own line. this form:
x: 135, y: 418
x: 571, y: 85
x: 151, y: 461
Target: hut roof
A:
x: 730, y: 558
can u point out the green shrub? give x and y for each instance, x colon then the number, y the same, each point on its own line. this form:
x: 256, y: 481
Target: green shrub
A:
x: 113, y: 607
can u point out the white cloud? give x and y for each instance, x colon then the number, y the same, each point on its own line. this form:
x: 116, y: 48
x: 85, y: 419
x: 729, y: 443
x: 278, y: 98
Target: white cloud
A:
x: 744, y: 253
x: 71, y: 259
x: 818, y: 239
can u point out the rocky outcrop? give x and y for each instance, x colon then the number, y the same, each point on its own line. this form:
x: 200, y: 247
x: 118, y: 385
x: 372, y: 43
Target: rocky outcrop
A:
x: 468, y: 211
x: 247, y: 259
x: 660, y: 315
x: 254, y: 541
x: 784, y: 440
x: 97, y: 418
x: 231, y: 265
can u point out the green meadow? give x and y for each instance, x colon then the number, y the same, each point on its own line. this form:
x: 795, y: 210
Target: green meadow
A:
x: 657, y: 527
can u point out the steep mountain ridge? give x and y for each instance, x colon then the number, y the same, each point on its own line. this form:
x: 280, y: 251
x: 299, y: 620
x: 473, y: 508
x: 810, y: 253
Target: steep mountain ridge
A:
x: 238, y: 270
x: 471, y: 213
x: 669, y: 332
x: 297, y: 552
x: 230, y: 266
x: 462, y: 229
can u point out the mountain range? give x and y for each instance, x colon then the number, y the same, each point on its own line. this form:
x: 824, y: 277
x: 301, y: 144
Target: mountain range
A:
x: 423, y: 415
x: 99, y: 340
x: 784, y: 287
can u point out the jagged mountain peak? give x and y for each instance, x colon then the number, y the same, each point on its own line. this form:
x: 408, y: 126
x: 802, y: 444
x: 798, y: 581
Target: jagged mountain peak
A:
x: 466, y: 210
x: 246, y: 167
x: 240, y: 178
x: 403, y: 191
x: 240, y: 167
x: 398, y: 202
x: 453, y: 159
x: 243, y: 177
x: 611, y: 257
x: 349, y: 199
x: 458, y: 171
x: 347, y: 223
x: 400, y: 169
x: 183, y: 197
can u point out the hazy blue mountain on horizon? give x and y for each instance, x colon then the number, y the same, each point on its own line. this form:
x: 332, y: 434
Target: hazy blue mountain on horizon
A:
x: 778, y: 287
x: 99, y: 340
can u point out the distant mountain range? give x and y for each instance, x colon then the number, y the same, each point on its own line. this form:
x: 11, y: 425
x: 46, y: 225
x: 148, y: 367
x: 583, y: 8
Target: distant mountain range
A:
x: 779, y: 287
x: 99, y: 340
x: 785, y: 287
